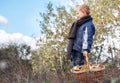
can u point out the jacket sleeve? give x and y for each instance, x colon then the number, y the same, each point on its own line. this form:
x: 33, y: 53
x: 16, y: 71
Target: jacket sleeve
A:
x: 89, y: 31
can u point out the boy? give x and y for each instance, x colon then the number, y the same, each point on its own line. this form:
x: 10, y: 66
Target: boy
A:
x: 81, y: 36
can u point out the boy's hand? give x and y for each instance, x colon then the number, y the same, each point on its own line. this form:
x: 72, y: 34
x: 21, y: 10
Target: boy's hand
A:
x: 85, y: 53
x: 86, y: 62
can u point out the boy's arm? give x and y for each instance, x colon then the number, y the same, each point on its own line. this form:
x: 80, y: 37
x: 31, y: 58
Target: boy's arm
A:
x: 87, y: 42
x: 87, y: 39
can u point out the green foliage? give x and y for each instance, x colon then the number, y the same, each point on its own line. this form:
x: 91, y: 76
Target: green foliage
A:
x: 106, y: 22
x: 52, y: 56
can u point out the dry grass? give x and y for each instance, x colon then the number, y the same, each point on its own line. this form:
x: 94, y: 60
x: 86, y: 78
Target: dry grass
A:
x: 20, y: 71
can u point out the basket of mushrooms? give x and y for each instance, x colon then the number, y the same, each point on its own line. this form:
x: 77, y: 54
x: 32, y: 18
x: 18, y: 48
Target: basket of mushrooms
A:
x: 88, y: 72
x: 83, y: 73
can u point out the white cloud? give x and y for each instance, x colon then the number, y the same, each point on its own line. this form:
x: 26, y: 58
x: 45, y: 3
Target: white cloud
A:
x: 67, y: 3
x: 6, y: 38
x: 3, y: 20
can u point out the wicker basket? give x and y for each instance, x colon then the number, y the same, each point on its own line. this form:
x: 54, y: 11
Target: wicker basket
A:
x: 88, y: 76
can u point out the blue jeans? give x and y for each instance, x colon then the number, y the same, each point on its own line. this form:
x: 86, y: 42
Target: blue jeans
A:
x: 77, y: 58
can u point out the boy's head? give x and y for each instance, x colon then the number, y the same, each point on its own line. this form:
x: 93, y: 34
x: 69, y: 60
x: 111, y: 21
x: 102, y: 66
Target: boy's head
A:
x: 82, y: 10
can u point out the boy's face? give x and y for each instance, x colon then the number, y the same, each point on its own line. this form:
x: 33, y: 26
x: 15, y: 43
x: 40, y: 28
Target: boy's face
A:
x: 80, y: 14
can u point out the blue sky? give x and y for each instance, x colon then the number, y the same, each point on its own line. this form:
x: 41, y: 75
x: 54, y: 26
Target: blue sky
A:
x: 18, y: 20
x: 22, y: 14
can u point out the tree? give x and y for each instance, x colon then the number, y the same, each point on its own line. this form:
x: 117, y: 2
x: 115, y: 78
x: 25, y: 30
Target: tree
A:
x: 106, y: 15
x: 55, y: 25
